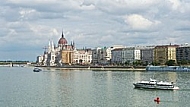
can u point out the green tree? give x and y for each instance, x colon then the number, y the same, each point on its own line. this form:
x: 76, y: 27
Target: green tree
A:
x: 170, y: 62
x: 127, y: 63
x: 155, y: 63
x: 137, y: 63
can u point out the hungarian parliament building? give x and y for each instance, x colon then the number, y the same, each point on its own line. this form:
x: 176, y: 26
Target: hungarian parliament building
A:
x: 64, y: 53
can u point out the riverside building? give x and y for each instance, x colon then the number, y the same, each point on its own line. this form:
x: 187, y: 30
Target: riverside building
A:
x: 82, y: 56
x: 116, y: 57
x: 99, y: 56
x: 164, y: 53
x: 103, y: 56
x: 57, y: 56
x: 147, y: 55
x: 183, y: 53
x: 126, y: 55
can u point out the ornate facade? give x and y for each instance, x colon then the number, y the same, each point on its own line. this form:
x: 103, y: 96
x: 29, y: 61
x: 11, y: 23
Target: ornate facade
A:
x: 57, y: 56
x: 82, y: 56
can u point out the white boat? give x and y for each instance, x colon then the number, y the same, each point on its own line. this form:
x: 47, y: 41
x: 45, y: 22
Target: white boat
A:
x: 37, y: 69
x: 154, y: 84
x: 168, y: 68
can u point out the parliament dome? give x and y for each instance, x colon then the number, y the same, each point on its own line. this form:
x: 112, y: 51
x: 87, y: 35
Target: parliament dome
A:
x: 62, y: 40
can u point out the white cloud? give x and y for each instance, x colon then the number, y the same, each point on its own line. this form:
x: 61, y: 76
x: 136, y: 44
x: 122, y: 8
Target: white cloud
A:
x: 181, y: 6
x: 55, y: 32
x: 175, y: 4
x: 126, y: 6
x: 87, y: 7
x: 31, y: 1
x: 27, y: 14
x: 138, y: 22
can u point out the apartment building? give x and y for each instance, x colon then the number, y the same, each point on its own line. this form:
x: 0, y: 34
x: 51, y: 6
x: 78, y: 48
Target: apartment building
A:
x: 147, y: 55
x: 126, y: 55
x: 164, y: 53
x: 183, y: 53
x: 116, y: 57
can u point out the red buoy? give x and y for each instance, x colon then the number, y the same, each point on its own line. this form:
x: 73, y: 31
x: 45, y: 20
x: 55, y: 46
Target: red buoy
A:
x: 157, y: 100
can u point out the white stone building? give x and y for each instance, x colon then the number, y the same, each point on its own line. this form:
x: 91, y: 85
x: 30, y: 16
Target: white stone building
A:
x: 82, y: 56
x: 39, y: 60
x: 147, y: 55
x: 126, y: 55
x: 98, y: 55
x: 116, y: 57
x: 103, y: 55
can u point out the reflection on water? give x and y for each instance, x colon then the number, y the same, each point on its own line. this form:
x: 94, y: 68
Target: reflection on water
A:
x: 77, y: 88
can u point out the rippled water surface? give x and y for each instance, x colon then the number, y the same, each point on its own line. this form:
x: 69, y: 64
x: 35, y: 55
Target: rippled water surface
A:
x: 20, y: 86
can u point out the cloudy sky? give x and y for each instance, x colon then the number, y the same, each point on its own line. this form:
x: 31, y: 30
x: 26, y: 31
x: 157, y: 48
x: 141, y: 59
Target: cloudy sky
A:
x: 26, y: 26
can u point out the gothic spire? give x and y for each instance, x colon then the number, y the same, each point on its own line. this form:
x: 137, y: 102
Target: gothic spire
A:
x: 62, y: 35
x: 52, y: 46
x: 73, y: 43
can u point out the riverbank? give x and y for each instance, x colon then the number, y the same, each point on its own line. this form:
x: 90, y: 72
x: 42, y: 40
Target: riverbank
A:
x: 96, y: 68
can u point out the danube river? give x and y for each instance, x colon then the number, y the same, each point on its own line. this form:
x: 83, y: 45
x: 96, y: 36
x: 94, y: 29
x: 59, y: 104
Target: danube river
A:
x: 20, y: 86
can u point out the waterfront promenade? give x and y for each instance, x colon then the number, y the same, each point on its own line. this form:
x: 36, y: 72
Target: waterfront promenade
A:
x: 100, y: 68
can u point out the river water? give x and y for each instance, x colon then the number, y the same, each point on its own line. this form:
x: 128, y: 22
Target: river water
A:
x: 20, y: 86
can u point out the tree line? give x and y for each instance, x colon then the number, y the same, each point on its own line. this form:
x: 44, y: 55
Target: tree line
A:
x: 13, y: 62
